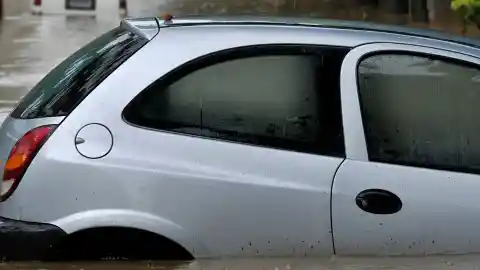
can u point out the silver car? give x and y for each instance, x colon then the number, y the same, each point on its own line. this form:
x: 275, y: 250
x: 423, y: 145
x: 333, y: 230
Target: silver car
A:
x: 241, y: 137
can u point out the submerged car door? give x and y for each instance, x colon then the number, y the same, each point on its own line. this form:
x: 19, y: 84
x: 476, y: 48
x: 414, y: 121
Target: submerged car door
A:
x: 411, y: 182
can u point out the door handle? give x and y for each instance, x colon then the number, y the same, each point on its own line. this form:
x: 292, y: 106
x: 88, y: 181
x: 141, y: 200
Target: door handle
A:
x: 379, y: 202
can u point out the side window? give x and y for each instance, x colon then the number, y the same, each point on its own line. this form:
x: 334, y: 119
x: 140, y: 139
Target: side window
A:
x: 421, y: 111
x: 281, y: 97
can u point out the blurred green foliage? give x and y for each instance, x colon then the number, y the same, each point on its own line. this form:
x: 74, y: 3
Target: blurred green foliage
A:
x: 469, y: 10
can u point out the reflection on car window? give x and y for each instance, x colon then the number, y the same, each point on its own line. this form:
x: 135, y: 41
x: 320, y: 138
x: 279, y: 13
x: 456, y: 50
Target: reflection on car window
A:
x: 71, y: 81
x: 282, y: 101
x: 421, y: 111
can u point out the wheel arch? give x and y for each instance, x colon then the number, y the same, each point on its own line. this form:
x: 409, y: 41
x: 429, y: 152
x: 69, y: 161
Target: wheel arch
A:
x: 128, y: 219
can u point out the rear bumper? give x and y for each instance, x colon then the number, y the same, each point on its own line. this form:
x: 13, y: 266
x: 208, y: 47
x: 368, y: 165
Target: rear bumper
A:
x: 27, y: 241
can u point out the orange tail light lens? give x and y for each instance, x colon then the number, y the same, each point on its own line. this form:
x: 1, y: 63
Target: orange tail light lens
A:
x: 21, y: 156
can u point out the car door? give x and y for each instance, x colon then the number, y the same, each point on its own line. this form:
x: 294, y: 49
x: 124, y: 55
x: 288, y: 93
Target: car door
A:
x: 411, y: 183
x: 242, y: 145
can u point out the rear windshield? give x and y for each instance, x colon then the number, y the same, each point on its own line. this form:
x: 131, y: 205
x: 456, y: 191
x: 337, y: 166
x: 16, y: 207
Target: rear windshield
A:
x: 58, y: 93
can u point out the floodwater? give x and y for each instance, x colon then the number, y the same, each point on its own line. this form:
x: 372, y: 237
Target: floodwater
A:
x: 427, y: 263
x: 32, y: 45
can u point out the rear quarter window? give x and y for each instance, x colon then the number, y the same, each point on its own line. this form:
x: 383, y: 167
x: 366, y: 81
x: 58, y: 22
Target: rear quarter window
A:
x: 58, y: 93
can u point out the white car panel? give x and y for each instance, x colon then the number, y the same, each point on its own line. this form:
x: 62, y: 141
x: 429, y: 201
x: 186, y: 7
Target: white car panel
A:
x: 259, y: 201
x: 218, y: 198
x: 439, y: 212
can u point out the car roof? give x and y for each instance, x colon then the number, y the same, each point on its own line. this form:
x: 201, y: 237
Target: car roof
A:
x: 371, y: 27
x: 321, y: 23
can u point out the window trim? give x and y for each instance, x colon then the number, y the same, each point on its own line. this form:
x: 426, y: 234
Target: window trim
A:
x: 429, y: 56
x: 236, y: 53
x: 355, y: 145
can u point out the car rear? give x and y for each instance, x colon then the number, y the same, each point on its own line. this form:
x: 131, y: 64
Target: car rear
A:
x: 42, y: 110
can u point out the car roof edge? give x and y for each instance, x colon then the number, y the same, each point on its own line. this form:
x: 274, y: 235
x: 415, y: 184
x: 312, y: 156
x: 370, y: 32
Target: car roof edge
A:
x: 146, y: 28
x: 198, y: 20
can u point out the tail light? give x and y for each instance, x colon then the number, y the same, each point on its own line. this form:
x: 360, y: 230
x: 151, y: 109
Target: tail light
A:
x: 37, y: 3
x: 21, y: 156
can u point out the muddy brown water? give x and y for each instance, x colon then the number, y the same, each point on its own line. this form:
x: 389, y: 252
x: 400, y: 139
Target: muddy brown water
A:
x: 31, y: 45
x: 426, y: 263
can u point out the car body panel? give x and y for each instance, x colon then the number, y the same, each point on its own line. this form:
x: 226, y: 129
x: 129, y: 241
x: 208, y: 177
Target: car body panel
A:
x: 439, y: 214
x: 183, y: 186
x: 13, y: 129
x: 214, y: 198
x: 364, y: 32
x: 134, y: 219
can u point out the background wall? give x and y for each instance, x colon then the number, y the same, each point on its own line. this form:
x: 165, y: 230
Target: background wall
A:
x: 15, y: 7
